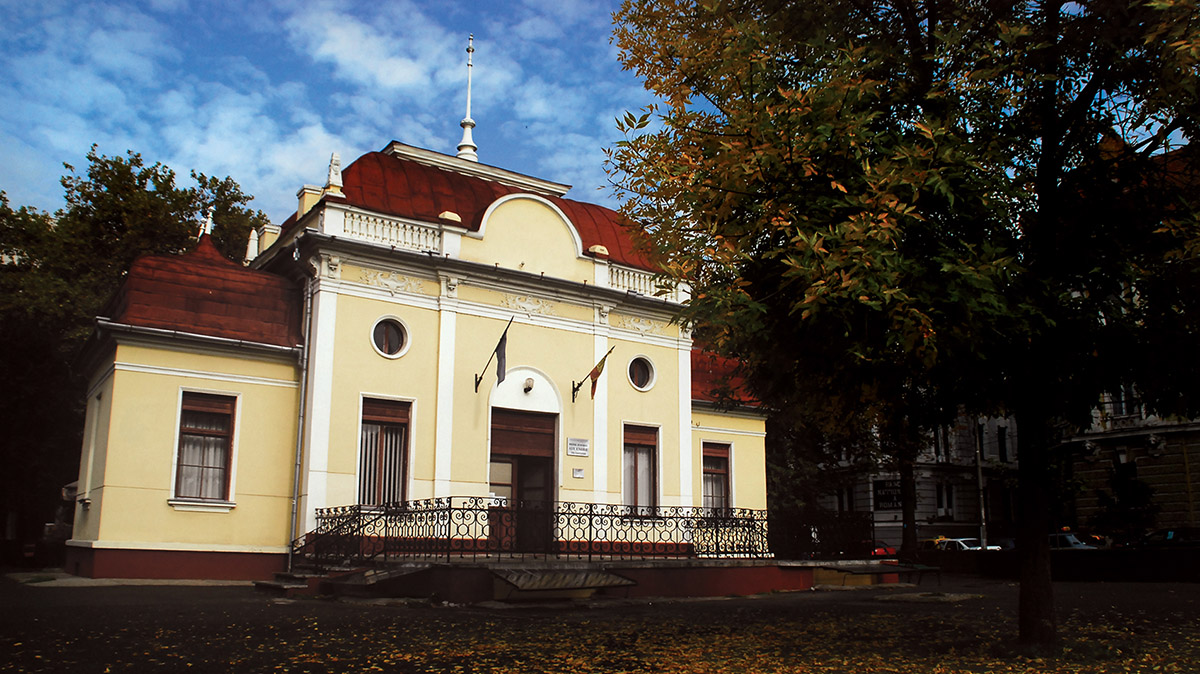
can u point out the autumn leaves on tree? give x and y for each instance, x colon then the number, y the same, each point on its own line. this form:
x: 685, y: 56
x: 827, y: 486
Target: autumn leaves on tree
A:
x: 891, y: 210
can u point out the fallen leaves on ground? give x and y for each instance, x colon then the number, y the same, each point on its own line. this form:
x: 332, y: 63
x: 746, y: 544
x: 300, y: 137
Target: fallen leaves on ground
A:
x: 705, y: 641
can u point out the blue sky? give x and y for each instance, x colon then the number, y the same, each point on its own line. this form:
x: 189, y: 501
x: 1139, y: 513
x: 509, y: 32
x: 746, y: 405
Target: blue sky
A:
x: 264, y: 91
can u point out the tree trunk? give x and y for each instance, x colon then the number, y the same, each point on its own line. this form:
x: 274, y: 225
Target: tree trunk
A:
x: 1036, y: 620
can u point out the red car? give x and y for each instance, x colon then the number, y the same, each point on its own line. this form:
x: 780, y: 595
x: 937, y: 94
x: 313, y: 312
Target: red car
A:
x: 879, y: 549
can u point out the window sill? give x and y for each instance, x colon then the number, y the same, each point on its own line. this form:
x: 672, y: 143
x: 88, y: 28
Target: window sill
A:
x: 199, y: 506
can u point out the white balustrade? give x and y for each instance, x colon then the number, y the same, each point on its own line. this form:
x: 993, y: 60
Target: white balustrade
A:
x: 390, y: 232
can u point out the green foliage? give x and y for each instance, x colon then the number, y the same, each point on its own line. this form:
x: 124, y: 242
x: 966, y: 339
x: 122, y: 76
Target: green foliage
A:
x: 56, y: 273
x: 888, y: 208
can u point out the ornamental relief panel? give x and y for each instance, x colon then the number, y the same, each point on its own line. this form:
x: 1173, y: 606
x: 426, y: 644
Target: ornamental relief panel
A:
x: 391, y: 281
x: 637, y: 324
x: 528, y: 305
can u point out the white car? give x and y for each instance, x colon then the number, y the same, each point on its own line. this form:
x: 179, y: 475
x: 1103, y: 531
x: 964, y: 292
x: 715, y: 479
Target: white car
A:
x: 1068, y: 542
x: 957, y: 544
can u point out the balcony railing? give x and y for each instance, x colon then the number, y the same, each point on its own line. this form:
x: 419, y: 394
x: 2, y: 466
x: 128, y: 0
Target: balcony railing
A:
x: 482, y: 527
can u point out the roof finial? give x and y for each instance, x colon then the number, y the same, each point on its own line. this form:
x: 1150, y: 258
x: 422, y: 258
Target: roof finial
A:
x: 467, y: 147
x: 333, y: 183
x: 207, y: 227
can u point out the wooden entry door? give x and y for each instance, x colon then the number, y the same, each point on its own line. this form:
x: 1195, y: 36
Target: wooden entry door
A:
x: 521, y: 473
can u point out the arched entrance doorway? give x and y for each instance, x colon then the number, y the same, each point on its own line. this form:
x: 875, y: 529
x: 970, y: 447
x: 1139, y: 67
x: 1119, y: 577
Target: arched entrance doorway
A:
x: 520, y: 477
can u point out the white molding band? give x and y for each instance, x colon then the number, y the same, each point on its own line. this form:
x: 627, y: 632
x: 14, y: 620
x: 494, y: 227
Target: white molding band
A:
x: 201, y: 506
x: 728, y: 431
x: 122, y: 366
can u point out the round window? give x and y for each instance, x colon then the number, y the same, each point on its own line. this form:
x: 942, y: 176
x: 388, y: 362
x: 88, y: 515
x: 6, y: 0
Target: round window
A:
x: 389, y: 337
x: 641, y: 373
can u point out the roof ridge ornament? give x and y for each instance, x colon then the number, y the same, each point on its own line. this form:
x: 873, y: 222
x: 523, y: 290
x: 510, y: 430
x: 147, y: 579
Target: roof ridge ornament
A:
x: 333, y: 183
x: 467, y: 147
x: 206, y: 227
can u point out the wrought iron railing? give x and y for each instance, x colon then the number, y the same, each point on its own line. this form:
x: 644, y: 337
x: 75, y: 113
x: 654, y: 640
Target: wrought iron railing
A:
x: 484, y: 527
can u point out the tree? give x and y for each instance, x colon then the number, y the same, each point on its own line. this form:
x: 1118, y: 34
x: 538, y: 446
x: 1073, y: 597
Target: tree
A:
x: 56, y: 273
x: 929, y: 204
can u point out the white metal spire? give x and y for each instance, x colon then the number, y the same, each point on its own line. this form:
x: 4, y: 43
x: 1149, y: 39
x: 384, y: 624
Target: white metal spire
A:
x: 467, y: 147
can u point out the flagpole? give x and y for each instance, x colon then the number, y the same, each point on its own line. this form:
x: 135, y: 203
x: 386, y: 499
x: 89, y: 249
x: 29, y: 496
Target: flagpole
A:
x: 479, y: 377
x: 575, y: 386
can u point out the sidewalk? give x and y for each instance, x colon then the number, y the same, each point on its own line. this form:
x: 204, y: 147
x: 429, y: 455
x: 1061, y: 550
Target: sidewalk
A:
x: 60, y: 578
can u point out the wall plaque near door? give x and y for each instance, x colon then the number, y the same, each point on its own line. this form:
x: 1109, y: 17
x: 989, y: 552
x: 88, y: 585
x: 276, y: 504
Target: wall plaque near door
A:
x: 577, y: 446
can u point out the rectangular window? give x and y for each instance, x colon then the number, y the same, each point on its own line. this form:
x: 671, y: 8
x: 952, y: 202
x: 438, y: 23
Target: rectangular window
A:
x: 1002, y: 443
x: 202, y: 471
x: 716, y: 476
x: 383, y: 452
x: 941, y: 444
x: 638, y: 464
x: 845, y: 499
x: 1125, y: 402
x: 945, y: 500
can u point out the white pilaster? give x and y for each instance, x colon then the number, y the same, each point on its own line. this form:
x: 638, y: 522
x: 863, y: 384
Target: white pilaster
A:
x: 320, y: 396
x: 602, y: 491
x: 685, y: 423
x: 444, y: 430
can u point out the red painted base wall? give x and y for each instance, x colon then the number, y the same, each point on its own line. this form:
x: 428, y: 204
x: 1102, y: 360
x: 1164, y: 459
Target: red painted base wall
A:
x: 105, y: 563
x: 712, y: 581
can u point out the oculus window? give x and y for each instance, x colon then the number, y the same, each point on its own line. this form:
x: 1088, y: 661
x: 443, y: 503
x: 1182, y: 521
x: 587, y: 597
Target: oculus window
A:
x: 389, y: 336
x: 641, y: 373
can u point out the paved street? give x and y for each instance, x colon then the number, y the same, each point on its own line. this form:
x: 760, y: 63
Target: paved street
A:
x: 966, y: 624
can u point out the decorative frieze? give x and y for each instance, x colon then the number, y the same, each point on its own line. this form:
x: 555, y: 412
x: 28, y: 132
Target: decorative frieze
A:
x: 528, y: 304
x: 639, y: 324
x: 392, y: 282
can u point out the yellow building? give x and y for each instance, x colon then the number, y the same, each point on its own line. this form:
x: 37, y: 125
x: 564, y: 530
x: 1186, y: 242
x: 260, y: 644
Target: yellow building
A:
x: 417, y: 337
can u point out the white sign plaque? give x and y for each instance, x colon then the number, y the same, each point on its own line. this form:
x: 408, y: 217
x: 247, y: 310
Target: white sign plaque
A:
x: 577, y: 446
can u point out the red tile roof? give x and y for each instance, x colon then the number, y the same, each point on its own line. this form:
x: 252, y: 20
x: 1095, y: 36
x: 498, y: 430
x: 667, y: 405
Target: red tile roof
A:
x: 715, y: 379
x: 204, y: 293
x: 405, y: 188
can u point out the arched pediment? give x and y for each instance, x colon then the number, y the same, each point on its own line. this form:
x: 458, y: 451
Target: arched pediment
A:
x: 528, y: 233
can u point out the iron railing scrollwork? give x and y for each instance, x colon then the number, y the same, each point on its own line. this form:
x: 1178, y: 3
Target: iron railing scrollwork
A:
x: 495, y: 527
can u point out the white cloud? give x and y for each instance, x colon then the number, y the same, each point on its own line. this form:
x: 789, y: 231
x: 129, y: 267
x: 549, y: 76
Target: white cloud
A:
x: 362, y: 54
x: 264, y: 93
x: 538, y: 28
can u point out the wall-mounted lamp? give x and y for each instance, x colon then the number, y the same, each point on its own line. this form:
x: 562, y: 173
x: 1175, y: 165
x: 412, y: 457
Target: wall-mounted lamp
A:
x: 529, y: 384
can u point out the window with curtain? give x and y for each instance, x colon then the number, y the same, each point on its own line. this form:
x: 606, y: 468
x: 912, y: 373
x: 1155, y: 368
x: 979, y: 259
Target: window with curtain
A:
x: 383, y: 452
x: 641, y: 449
x: 205, y: 447
x: 715, y: 461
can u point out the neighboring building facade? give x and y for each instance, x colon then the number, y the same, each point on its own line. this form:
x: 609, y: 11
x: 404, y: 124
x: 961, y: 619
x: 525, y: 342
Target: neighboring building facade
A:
x: 1126, y: 446
x: 952, y: 479
x: 349, y: 365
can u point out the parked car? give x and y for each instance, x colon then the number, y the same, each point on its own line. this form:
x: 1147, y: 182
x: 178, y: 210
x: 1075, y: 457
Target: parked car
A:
x: 1166, y: 539
x: 1068, y: 541
x: 880, y: 549
x: 955, y: 544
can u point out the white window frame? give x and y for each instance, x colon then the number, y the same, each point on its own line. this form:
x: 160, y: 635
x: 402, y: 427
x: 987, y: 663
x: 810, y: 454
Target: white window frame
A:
x: 206, y: 505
